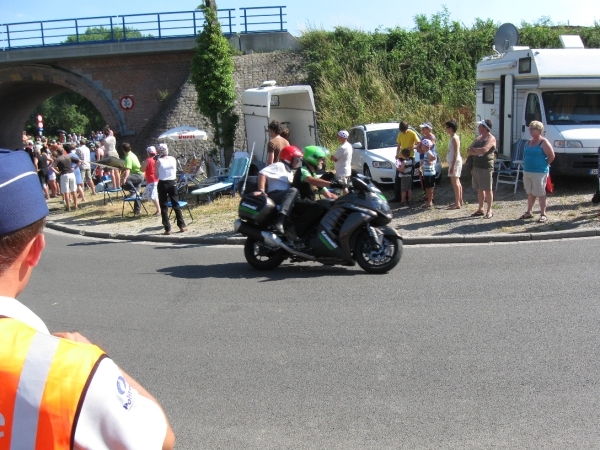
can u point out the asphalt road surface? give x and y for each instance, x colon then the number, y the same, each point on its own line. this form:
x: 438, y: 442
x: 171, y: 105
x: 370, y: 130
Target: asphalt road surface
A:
x: 460, y: 347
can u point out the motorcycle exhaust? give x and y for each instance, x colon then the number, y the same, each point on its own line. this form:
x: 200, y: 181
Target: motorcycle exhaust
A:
x: 268, y: 238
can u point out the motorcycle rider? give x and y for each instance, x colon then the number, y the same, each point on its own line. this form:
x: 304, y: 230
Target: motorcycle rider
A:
x: 306, y: 180
x: 279, y: 176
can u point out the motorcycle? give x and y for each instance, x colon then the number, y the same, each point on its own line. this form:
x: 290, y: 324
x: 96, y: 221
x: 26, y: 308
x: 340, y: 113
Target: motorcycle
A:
x: 352, y: 229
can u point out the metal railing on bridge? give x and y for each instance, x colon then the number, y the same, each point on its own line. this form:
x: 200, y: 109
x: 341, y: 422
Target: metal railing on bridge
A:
x: 132, y: 27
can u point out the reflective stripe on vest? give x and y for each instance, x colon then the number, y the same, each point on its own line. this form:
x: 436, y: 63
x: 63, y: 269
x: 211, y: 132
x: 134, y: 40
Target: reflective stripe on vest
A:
x: 43, y: 382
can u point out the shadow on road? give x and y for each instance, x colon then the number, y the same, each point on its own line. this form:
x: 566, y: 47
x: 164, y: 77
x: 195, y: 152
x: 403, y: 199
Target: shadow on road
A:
x: 233, y: 271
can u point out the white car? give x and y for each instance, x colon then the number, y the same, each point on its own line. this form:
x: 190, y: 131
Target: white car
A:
x: 374, y: 151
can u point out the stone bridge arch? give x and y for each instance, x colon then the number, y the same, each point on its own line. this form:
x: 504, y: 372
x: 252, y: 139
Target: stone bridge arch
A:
x: 23, y: 88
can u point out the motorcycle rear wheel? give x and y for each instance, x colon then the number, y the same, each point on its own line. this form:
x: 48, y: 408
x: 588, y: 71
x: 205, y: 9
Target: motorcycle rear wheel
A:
x: 261, y: 257
x: 377, y: 260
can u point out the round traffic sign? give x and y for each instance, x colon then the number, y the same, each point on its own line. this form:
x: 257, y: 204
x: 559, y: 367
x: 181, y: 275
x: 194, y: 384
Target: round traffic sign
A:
x: 126, y: 102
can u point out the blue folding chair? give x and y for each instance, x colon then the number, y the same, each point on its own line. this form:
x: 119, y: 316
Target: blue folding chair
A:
x: 182, y: 204
x: 238, y: 170
x: 106, y: 180
x: 131, y: 201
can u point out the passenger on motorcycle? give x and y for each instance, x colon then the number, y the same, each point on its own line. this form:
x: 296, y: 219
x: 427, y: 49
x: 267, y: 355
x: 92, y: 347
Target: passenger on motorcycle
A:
x: 306, y: 180
x: 275, y: 180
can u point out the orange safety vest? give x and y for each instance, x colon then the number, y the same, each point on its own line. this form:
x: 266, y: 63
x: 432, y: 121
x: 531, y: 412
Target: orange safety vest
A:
x: 43, y: 380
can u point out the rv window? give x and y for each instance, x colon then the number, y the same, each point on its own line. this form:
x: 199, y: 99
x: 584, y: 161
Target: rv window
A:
x: 533, y: 111
x: 525, y: 65
x: 488, y: 93
x: 572, y: 107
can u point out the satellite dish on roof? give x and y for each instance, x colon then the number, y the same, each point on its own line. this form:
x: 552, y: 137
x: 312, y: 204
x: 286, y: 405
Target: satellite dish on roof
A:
x: 506, y: 37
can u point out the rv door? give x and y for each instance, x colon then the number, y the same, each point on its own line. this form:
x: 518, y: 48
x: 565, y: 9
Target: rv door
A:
x: 533, y: 111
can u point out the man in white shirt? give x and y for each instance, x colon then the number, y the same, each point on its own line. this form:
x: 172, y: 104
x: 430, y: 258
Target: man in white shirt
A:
x: 86, y: 168
x: 93, y: 403
x: 343, y: 158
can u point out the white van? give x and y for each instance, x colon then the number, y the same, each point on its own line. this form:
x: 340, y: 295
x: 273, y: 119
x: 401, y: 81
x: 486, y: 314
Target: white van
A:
x: 558, y: 87
x: 292, y: 106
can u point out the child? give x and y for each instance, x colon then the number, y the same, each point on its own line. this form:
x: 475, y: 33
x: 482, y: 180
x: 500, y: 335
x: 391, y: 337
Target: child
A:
x: 427, y: 169
x: 404, y: 166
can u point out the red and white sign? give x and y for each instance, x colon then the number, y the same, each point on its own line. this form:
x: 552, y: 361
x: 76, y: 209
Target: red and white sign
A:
x: 126, y: 102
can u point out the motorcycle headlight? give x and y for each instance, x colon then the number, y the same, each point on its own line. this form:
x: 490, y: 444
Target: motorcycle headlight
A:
x: 382, y: 164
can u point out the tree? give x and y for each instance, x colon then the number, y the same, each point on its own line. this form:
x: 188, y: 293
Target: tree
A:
x: 212, y: 76
x: 67, y: 111
x: 104, y: 34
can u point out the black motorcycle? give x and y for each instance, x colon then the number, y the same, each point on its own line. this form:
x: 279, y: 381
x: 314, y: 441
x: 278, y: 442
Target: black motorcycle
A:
x: 351, y: 229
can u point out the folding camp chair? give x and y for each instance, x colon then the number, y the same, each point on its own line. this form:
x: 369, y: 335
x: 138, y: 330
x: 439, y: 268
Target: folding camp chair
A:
x: 182, y: 204
x: 511, y: 172
x: 237, y: 171
x: 131, y: 201
x: 106, y: 181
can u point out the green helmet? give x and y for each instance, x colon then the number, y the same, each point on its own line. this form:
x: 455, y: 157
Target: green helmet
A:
x: 312, y: 153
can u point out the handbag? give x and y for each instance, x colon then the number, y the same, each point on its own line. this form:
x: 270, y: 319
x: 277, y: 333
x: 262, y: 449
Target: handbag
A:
x: 549, y: 185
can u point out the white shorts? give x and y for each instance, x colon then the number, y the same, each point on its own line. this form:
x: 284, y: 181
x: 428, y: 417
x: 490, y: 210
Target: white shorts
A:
x: 535, y: 183
x: 51, y: 175
x: 457, y: 169
x: 151, y: 192
x: 67, y: 183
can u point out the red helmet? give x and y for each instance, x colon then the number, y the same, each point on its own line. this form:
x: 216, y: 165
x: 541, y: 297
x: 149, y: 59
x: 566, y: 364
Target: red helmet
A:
x: 287, y: 153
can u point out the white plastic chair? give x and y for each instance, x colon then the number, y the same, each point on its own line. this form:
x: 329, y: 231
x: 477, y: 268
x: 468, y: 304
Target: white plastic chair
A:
x: 511, y: 172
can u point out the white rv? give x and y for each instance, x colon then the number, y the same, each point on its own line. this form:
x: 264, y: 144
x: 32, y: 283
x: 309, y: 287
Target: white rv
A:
x: 292, y: 106
x: 558, y: 87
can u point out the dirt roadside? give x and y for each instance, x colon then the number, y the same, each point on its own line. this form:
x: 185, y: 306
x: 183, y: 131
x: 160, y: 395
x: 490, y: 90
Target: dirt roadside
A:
x: 569, y: 208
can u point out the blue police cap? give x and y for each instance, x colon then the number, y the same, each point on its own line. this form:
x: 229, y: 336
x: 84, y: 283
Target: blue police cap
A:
x: 21, y: 198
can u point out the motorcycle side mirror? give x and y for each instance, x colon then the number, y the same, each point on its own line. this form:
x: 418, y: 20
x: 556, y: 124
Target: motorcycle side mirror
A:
x: 358, y: 146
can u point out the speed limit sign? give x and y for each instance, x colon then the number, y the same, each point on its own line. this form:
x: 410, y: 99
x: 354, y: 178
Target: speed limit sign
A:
x: 126, y: 102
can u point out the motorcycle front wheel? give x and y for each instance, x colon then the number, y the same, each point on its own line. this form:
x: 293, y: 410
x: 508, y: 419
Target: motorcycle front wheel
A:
x: 261, y: 257
x: 373, y: 258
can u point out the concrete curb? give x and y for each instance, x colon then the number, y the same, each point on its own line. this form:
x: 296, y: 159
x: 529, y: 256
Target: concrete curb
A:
x: 406, y: 240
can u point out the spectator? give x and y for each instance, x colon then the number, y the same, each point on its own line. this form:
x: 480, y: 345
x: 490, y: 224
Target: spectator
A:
x: 40, y: 161
x: 86, y: 168
x: 285, y: 134
x: 537, y: 157
x: 51, y: 175
x: 276, y: 144
x: 92, y: 403
x: 132, y: 176
x: 342, y: 158
x: 25, y: 138
x: 404, y: 178
x: 407, y: 138
x: 427, y: 169
x: 64, y: 168
x: 426, y: 129
x: 76, y: 169
x: 454, y: 163
x: 110, y: 148
x: 151, y: 191
x: 165, y: 170
x: 482, y: 149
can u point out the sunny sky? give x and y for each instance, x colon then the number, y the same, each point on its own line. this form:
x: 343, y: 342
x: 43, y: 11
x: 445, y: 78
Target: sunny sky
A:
x: 362, y: 14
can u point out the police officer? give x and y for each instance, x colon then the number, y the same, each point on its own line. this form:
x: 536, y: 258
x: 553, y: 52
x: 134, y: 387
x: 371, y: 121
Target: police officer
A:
x: 57, y: 391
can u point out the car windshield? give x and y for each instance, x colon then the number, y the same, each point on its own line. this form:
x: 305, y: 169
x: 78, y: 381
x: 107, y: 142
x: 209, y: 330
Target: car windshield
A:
x: 572, y: 107
x: 382, y: 138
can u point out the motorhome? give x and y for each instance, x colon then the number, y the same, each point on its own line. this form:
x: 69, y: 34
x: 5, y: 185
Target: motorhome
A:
x: 558, y: 87
x: 292, y: 106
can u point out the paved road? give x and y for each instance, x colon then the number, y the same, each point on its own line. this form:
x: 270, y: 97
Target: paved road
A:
x: 471, y: 347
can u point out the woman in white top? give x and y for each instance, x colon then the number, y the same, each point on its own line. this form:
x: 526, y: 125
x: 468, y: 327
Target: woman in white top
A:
x: 454, y: 164
x: 110, y: 148
x: 165, y: 171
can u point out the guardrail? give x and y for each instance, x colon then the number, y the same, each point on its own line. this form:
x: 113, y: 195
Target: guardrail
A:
x: 132, y: 27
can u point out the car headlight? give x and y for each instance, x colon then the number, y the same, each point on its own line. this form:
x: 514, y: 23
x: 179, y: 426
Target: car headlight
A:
x: 568, y: 144
x: 382, y: 164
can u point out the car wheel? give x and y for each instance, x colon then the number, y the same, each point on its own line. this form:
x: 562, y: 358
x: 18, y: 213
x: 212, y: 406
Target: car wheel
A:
x: 367, y: 172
